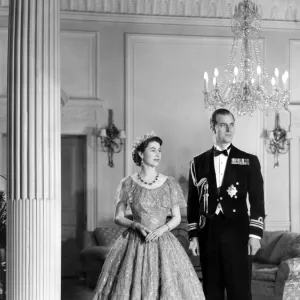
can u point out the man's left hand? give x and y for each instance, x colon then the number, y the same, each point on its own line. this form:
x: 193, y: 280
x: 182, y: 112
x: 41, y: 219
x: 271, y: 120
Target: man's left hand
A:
x: 253, y: 245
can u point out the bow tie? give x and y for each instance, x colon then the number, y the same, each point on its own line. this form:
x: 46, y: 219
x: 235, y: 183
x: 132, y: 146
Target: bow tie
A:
x: 218, y: 152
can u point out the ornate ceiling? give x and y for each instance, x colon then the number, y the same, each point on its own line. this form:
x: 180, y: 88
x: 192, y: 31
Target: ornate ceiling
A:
x: 283, y: 10
x: 279, y: 10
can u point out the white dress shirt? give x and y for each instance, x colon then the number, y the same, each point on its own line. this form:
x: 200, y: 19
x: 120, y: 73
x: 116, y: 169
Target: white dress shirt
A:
x: 220, y: 162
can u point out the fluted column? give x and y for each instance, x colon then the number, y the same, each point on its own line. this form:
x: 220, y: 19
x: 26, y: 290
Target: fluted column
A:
x: 34, y: 179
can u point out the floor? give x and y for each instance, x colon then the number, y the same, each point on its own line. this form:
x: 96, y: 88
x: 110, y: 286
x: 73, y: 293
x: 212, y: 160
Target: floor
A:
x: 75, y: 289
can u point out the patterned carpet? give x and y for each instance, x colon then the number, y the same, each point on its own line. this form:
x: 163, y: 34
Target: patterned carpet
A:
x: 75, y: 289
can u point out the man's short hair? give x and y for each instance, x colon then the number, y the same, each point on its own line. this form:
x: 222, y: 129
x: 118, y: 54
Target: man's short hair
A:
x: 220, y: 111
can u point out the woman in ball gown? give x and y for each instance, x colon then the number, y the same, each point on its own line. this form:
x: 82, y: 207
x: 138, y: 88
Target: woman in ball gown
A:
x: 147, y: 262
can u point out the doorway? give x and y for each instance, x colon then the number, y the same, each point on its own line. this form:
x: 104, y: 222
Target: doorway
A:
x: 73, y: 202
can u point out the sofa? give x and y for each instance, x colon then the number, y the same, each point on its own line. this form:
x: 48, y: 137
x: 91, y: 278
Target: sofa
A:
x: 276, y: 267
x: 98, y: 243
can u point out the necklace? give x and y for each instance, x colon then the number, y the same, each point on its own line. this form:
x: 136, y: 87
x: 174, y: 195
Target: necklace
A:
x: 145, y: 182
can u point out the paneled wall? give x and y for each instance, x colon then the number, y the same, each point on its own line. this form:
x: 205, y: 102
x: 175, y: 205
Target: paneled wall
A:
x: 165, y: 93
x: 79, y: 53
x: 151, y: 75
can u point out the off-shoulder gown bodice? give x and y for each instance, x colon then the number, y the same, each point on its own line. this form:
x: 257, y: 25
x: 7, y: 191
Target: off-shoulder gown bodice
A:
x: 150, y: 206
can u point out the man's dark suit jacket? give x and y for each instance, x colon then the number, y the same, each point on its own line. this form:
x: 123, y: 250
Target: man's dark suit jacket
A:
x: 242, y: 176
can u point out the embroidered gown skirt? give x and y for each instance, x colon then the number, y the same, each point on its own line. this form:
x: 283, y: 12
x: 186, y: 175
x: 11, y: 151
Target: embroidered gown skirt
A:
x: 139, y: 270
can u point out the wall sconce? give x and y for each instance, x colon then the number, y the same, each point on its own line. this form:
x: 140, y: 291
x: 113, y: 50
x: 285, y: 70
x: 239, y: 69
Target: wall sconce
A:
x: 279, y: 141
x: 112, y: 139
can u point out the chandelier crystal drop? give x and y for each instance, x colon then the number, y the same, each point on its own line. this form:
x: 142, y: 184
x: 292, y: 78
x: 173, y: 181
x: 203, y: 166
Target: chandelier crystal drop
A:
x: 245, y: 85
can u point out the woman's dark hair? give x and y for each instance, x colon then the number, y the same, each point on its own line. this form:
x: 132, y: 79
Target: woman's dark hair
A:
x: 141, y: 148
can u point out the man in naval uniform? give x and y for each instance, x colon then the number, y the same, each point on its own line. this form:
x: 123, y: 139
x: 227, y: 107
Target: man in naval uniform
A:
x: 218, y: 219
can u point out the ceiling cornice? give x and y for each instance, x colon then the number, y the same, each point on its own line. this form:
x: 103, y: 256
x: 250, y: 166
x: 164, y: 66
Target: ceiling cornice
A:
x: 283, y: 10
x: 284, y: 14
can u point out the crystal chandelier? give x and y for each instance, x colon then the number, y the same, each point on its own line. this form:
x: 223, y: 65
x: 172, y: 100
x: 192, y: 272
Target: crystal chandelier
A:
x: 246, y: 85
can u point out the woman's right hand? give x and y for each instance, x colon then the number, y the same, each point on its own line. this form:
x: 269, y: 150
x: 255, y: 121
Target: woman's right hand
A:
x: 142, y: 228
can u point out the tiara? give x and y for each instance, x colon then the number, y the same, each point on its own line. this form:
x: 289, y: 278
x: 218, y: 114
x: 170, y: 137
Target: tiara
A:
x: 142, y: 139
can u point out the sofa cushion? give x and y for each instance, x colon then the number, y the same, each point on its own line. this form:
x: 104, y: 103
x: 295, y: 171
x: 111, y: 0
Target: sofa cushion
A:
x: 258, y: 266
x: 268, y: 243
x: 282, y: 246
x: 292, y: 250
x: 106, y: 236
x: 266, y: 274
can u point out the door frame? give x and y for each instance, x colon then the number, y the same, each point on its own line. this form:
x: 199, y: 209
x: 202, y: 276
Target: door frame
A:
x: 80, y: 117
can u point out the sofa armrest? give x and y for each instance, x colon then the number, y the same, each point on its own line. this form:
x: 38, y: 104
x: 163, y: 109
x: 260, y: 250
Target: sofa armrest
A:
x: 289, y: 270
x: 94, y: 254
x: 89, y: 239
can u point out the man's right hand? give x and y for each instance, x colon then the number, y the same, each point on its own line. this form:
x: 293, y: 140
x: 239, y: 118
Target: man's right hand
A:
x: 194, y: 246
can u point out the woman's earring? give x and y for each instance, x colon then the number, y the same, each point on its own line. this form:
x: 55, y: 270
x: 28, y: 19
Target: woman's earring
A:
x: 142, y: 161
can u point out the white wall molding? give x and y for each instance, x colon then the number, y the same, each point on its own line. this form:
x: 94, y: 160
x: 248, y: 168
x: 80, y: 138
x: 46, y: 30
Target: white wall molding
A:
x: 294, y: 50
x: 171, y: 20
x: 295, y: 168
x: 79, y: 64
x: 86, y: 110
x: 82, y: 109
x: 277, y: 225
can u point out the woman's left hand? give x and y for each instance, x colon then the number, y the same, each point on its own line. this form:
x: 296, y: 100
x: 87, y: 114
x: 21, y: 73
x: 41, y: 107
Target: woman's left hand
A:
x: 155, y: 234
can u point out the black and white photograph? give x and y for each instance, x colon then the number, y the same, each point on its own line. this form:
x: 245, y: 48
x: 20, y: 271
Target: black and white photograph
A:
x: 149, y: 149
